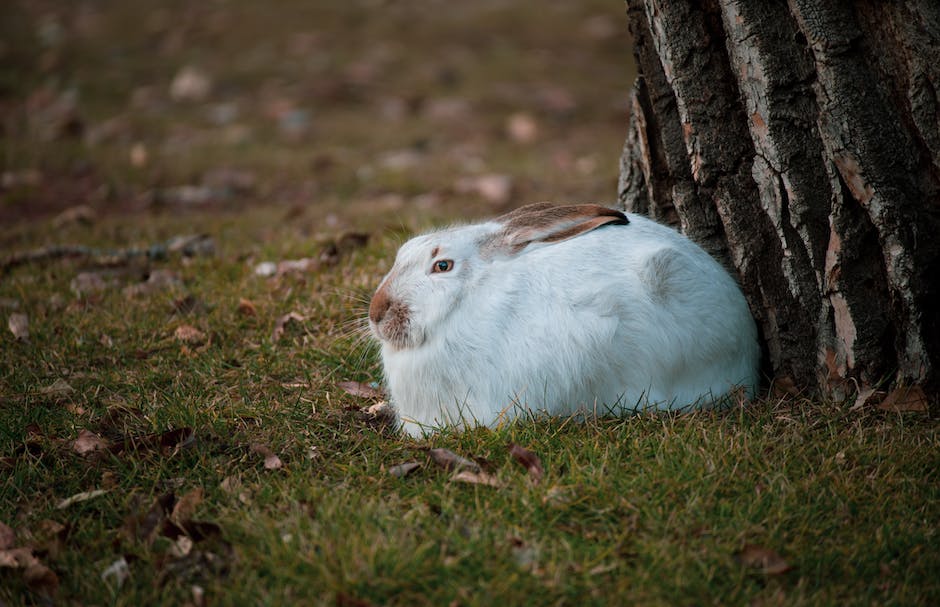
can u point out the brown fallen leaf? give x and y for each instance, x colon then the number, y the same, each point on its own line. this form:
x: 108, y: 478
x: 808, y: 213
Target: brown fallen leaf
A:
x: 188, y: 304
x: 784, y: 386
x: 87, y: 442
x: 157, y: 281
x: 298, y: 266
x: 19, y: 326
x: 41, y: 579
x: 350, y: 241
x: 529, y: 461
x: 360, y: 389
x: 904, y: 399
x: 87, y: 283
x: 189, y: 335
x: 865, y: 396
x: 765, y: 559
x: 247, y: 308
x: 271, y: 460
x: 72, y: 215
x: 58, y: 388
x: 522, y: 128
x: 118, y: 571
x: 477, y: 478
x: 167, y: 442
x: 190, y: 84
x: 494, y: 188
x: 447, y: 459
x: 281, y: 324
x: 404, y: 469
x: 37, y: 576
x: 17, y: 558
x: 7, y: 536
x: 49, y: 537
x: 145, y: 526
x: 186, y: 506
x: 84, y: 496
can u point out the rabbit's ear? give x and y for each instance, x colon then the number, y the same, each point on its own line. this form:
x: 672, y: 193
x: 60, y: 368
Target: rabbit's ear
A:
x: 545, y: 222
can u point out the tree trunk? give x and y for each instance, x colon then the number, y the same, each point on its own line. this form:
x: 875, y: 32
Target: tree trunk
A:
x: 799, y: 142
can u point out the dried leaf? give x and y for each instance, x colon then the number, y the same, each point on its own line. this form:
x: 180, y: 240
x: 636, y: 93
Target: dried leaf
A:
x: 381, y: 410
x: 77, y: 214
x: 191, y: 245
x: 350, y: 241
x: 494, y: 188
x: 86, y: 283
x: 41, y: 579
x: 7, y: 536
x: 19, y: 326
x: 17, y: 558
x: 402, y: 470
x: 186, y: 506
x: 58, y: 388
x: 84, y: 496
x: 299, y: 266
x: 529, y: 461
x: 784, y: 386
x: 905, y: 398
x: 522, y: 128
x: 558, y: 497
x: 447, y: 459
x: 188, y: 304
x: 118, y: 570
x: 266, y: 268
x: 181, y: 547
x: 282, y: 322
x: 477, y: 478
x: 157, y: 281
x: 765, y: 559
x: 87, y: 442
x: 865, y: 396
x: 190, y: 84
x: 189, y: 335
x: 168, y: 442
x: 144, y: 527
x: 360, y: 389
x: 247, y: 308
x: 271, y: 460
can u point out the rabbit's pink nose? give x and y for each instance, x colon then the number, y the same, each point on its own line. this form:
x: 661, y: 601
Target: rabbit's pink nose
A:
x: 379, y: 305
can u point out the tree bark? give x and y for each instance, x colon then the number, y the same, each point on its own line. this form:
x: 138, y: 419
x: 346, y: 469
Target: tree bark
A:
x: 799, y: 142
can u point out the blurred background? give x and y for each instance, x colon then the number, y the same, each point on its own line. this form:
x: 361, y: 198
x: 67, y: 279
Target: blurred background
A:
x: 361, y: 108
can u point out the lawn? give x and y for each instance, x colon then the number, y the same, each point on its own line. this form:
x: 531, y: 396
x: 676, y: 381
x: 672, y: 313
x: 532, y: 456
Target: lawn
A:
x: 197, y: 202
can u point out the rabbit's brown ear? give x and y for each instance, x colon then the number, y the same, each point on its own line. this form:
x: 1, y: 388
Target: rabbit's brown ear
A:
x: 545, y: 222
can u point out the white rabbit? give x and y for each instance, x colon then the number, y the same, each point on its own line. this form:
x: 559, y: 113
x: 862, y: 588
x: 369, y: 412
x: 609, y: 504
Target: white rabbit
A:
x: 563, y: 309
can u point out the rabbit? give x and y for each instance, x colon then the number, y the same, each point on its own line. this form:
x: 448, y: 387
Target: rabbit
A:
x: 560, y: 310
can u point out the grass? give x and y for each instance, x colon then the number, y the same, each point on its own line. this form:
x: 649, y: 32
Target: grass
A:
x: 656, y: 509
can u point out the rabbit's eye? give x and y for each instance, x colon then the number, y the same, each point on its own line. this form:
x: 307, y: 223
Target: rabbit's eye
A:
x: 443, y: 265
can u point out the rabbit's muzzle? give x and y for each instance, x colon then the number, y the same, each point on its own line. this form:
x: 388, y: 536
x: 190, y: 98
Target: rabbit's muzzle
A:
x: 389, y: 318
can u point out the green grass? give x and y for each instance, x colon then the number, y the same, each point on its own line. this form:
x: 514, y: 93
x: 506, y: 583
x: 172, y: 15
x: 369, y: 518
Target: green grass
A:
x: 651, y: 510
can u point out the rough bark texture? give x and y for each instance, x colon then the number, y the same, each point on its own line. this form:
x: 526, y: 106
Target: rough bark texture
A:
x: 799, y: 141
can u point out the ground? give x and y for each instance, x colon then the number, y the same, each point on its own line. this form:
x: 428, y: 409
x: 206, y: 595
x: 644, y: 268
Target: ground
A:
x: 185, y: 390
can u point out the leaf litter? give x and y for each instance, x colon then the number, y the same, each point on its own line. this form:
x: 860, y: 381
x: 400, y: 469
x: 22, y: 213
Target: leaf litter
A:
x: 361, y: 389
x: 84, y: 496
x: 271, y: 460
x: 18, y: 324
x: 88, y: 442
x: 764, y: 559
x: 196, y: 548
x: 528, y: 460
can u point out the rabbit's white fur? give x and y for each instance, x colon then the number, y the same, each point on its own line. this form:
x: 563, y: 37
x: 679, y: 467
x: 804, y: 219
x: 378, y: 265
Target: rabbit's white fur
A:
x: 618, y: 317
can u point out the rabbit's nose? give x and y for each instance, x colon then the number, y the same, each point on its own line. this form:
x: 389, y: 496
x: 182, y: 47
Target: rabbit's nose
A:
x: 379, y: 305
